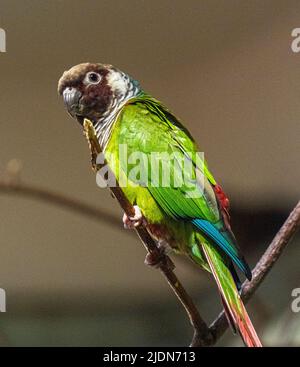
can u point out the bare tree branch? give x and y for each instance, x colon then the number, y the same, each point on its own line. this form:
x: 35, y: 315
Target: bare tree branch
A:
x: 16, y: 187
x: 262, y: 268
x: 165, y: 264
x: 203, y: 335
x: 55, y: 198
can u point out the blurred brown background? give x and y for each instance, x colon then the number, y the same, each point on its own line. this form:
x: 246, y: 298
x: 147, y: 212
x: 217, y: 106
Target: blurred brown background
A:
x: 227, y: 70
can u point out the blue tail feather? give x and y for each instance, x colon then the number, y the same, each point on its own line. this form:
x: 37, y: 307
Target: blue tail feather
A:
x: 212, y: 232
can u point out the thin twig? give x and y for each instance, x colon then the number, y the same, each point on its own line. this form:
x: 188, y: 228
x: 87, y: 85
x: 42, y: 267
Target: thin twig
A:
x: 55, y: 198
x: 12, y: 187
x: 166, y: 266
x: 262, y: 268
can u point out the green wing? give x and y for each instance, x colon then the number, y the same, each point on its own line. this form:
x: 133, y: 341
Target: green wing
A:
x: 148, y: 128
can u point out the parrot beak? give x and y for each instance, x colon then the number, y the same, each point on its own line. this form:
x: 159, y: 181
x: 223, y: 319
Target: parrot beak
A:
x: 71, y: 98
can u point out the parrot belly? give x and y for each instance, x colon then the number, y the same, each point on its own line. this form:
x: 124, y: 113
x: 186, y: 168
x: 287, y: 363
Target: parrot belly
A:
x: 181, y: 236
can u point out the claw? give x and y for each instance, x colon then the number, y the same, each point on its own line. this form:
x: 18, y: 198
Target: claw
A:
x: 135, y: 221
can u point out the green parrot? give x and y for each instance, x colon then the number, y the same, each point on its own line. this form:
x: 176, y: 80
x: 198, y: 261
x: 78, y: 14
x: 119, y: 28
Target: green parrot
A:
x: 189, y: 216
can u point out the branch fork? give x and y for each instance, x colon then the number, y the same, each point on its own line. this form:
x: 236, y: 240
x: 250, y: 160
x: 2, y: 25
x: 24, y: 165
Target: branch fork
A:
x: 203, y: 335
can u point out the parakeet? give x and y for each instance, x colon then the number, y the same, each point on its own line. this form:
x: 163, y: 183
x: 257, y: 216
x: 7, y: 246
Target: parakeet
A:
x: 196, y: 225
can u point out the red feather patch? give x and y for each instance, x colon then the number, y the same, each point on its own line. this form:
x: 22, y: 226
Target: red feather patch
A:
x: 223, y: 204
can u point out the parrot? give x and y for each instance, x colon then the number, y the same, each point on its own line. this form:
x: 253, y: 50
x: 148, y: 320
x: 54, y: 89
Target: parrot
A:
x: 197, y: 224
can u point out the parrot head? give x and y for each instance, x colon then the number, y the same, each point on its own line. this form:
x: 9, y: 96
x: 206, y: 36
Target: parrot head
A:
x: 95, y: 91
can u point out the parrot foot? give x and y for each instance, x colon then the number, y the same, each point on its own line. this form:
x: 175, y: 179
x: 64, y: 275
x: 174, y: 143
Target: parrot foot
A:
x: 156, y: 259
x: 133, y: 222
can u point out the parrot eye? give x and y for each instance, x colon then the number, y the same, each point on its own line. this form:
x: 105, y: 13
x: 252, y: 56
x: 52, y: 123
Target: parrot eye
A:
x: 92, y: 78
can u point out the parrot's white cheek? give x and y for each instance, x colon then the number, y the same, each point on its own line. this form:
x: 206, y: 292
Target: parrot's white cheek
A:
x: 117, y: 82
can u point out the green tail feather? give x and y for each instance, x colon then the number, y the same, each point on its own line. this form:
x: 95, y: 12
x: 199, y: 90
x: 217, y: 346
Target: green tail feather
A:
x: 234, y: 308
